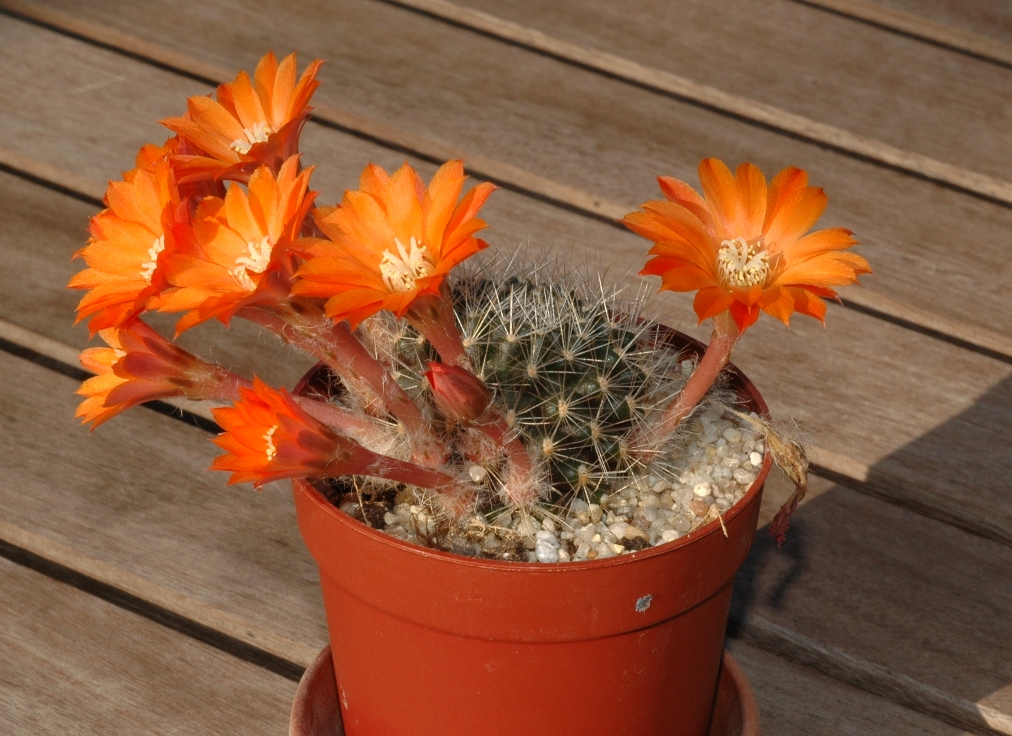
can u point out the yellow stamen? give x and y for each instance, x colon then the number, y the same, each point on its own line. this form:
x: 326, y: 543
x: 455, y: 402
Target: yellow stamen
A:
x: 258, y: 134
x: 742, y: 265
x: 149, y: 266
x: 269, y: 439
x: 401, y: 272
x: 257, y: 261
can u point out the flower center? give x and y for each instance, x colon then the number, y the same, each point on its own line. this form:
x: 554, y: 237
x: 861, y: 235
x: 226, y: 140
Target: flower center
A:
x: 257, y: 261
x: 401, y: 272
x: 742, y: 265
x: 149, y: 266
x: 269, y: 439
x: 259, y: 133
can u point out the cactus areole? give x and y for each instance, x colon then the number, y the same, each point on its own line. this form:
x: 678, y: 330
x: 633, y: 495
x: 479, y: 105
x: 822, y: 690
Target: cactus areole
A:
x: 427, y: 642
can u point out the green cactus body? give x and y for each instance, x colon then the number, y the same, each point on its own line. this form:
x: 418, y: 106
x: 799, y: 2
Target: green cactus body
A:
x: 572, y: 371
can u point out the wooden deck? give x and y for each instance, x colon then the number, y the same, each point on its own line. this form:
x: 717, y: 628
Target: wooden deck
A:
x: 140, y: 595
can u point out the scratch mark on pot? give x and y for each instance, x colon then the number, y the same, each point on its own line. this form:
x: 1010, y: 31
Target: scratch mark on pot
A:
x: 643, y: 603
x: 344, y: 697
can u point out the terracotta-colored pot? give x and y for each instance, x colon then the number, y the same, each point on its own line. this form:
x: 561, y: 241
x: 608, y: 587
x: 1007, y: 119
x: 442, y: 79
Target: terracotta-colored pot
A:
x: 428, y: 643
x: 317, y: 712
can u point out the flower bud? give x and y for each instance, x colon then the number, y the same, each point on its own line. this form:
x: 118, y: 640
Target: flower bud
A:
x: 459, y: 394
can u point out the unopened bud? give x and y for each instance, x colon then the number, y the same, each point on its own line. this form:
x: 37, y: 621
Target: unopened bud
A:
x: 459, y: 394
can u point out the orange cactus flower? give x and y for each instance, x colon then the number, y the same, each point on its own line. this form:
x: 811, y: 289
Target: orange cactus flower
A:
x: 251, y: 124
x: 238, y: 254
x: 392, y: 241
x: 140, y: 365
x: 129, y: 244
x: 270, y: 437
x: 744, y: 247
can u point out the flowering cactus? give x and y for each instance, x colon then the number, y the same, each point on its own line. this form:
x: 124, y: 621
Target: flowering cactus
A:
x: 480, y: 390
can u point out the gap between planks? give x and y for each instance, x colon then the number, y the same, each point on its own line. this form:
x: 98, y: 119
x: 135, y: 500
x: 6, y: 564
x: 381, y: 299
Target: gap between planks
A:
x: 988, y: 342
x: 291, y: 657
x: 830, y: 465
x: 868, y: 676
x: 716, y: 100
x: 610, y: 65
x: 232, y: 627
x: 913, y: 26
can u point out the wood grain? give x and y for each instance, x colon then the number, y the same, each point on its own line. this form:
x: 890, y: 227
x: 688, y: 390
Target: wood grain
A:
x: 857, y: 578
x: 135, y: 495
x: 908, y: 383
x: 920, y: 235
x: 713, y: 98
x: 151, y: 521
x: 982, y: 17
x: 917, y: 26
x: 797, y: 701
x: 75, y: 665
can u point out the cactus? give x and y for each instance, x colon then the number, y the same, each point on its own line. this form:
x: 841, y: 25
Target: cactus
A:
x: 572, y: 368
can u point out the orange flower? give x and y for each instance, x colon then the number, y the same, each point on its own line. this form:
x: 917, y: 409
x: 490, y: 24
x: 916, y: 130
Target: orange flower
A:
x: 744, y: 246
x: 129, y: 243
x: 140, y: 365
x: 251, y: 124
x: 238, y: 254
x: 269, y: 437
x: 392, y: 241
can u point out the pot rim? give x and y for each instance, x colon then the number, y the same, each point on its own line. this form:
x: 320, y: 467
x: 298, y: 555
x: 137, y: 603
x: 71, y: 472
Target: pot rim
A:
x: 739, y: 382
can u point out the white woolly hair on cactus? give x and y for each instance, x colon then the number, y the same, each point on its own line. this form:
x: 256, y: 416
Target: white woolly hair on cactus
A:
x: 571, y: 365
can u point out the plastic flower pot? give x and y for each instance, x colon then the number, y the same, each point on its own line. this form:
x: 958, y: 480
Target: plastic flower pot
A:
x: 428, y: 643
x: 316, y: 710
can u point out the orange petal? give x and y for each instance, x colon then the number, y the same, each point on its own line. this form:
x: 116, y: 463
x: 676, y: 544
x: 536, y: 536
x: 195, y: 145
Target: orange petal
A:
x: 751, y: 186
x: 247, y: 103
x: 721, y: 197
x: 744, y: 316
x: 808, y: 303
x: 711, y: 301
x: 784, y: 184
x: 778, y: 303
x: 677, y: 191
x: 796, y: 216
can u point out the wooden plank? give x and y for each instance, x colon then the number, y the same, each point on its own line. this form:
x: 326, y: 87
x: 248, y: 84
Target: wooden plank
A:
x: 135, y: 495
x: 917, y: 25
x: 225, y: 558
x: 853, y: 453
x: 865, y: 440
x: 983, y: 17
x: 861, y: 579
x: 221, y: 558
x: 794, y: 700
x: 928, y: 238
x: 75, y: 664
x: 852, y: 131
x: 18, y: 540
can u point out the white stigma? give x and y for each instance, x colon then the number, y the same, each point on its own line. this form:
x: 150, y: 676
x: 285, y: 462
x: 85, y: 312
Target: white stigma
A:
x: 401, y: 272
x: 269, y: 439
x: 149, y: 266
x: 258, y: 134
x: 742, y: 265
x: 257, y: 260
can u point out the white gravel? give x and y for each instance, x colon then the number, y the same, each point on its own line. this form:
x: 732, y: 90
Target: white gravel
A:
x: 719, y: 466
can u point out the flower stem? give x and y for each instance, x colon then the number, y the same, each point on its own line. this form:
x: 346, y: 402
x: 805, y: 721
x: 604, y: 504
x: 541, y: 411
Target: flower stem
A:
x: 718, y: 352
x: 520, y: 484
x: 338, y: 348
x: 434, y: 318
x: 367, y: 462
x: 339, y: 418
